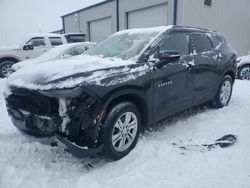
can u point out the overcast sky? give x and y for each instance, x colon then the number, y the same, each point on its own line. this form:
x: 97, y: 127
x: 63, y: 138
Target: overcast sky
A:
x: 21, y: 17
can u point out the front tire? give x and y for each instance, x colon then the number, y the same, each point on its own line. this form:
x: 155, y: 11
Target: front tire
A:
x: 5, y: 68
x: 122, y: 129
x: 224, y: 93
x: 244, y: 72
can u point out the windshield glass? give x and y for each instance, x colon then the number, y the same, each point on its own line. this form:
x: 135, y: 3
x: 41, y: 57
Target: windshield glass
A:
x: 126, y: 44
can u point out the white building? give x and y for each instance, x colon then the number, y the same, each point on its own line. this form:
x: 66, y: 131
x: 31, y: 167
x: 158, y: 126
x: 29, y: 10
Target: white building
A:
x: 229, y: 17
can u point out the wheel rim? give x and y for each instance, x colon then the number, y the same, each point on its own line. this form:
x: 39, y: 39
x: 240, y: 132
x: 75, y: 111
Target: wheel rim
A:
x: 124, y: 131
x: 245, y: 73
x: 6, y: 70
x: 225, y: 92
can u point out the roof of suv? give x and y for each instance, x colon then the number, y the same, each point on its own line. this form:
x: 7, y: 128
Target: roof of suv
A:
x: 189, y: 28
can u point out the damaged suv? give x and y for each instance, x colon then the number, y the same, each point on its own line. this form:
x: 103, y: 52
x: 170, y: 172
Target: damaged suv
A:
x: 98, y: 103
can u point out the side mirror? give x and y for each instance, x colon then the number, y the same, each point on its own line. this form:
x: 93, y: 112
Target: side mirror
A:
x: 28, y: 47
x: 166, y: 57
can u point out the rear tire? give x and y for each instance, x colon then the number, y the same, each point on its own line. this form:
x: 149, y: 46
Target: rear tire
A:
x: 122, y: 129
x: 244, y: 72
x: 5, y: 68
x: 224, y: 93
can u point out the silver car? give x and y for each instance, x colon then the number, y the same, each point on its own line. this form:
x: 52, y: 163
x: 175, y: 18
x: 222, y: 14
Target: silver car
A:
x: 59, y: 52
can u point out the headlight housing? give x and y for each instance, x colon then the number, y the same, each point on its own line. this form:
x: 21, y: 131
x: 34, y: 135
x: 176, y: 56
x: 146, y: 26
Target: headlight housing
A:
x: 62, y: 93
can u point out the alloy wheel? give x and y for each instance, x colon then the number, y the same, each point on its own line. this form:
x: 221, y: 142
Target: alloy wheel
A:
x: 245, y: 73
x: 124, y: 131
x: 6, y: 70
x: 225, y: 92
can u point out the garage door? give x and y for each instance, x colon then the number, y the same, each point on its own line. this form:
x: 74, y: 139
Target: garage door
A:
x: 99, y: 29
x: 148, y: 17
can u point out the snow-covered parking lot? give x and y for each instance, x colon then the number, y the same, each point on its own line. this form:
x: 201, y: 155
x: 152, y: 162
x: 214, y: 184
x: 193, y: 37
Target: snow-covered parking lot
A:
x: 155, y: 162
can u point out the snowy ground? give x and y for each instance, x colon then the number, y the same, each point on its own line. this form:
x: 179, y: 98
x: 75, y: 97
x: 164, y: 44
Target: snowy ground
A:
x: 155, y: 162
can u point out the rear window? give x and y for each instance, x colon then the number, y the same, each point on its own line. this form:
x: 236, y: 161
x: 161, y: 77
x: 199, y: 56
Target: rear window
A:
x: 201, y: 43
x: 75, y: 38
x: 76, y: 51
x: 55, y: 41
x: 215, y: 40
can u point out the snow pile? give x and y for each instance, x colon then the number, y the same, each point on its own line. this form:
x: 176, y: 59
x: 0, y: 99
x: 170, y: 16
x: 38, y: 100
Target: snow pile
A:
x: 155, y: 162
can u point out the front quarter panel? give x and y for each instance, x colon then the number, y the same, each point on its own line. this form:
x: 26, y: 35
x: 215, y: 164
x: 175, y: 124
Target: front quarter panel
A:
x: 138, y: 84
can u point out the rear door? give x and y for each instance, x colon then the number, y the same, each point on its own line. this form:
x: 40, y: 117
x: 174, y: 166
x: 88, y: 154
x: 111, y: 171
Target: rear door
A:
x: 172, y: 82
x: 204, y: 68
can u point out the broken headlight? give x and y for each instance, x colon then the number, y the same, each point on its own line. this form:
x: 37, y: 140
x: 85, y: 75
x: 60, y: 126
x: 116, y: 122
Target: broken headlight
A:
x: 62, y: 93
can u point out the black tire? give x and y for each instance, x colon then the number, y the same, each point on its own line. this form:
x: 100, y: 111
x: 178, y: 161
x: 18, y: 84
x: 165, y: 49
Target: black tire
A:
x: 246, y: 74
x: 4, y: 67
x: 218, y: 102
x: 117, y: 112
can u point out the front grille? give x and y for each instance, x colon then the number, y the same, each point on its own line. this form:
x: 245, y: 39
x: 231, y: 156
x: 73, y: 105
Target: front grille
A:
x: 33, y: 102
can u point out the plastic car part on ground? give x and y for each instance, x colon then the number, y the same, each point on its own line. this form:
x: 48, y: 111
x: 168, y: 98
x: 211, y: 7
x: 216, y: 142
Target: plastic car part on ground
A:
x: 223, y: 142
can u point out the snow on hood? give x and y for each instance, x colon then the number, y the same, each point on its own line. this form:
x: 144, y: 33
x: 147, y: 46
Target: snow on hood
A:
x: 41, y: 76
x: 21, y: 64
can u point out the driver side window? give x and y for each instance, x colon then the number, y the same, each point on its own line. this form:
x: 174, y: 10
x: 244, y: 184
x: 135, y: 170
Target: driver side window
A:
x: 176, y: 42
x: 36, y: 42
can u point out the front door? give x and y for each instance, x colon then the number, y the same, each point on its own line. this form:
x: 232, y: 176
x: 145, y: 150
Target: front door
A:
x: 39, y: 47
x: 172, y: 84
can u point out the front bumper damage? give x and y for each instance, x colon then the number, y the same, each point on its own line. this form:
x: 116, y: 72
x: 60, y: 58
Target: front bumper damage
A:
x: 67, y: 128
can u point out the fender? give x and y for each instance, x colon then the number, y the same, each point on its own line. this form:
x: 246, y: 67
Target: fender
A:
x: 2, y: 58
x: 139, y: 95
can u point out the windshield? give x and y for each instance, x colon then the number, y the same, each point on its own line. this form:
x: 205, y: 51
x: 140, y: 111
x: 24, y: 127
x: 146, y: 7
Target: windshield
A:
x: 124, y: 45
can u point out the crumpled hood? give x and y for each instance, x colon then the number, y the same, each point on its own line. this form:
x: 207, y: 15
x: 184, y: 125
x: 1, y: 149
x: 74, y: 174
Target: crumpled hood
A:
x: 69, y: 73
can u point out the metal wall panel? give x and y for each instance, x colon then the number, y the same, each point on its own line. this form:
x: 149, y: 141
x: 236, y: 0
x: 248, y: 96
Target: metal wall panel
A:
x: 100, y: 29
x: 87, y: 16
x: 128, y: 6
x: 229, y: 17
x: 148, y: 17
x: 72, y: 23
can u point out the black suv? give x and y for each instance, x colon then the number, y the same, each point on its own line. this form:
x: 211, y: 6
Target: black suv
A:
x: 100, y: 102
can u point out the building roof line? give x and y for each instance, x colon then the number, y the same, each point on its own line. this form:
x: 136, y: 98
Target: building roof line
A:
x: 88, y: 7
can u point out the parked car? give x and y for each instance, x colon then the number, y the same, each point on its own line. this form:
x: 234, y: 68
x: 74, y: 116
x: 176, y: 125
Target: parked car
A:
x: 244, y: 67
x: 32, y: 47
x: 100, y: 103
x: 59, y: 52
x: 75, y: 37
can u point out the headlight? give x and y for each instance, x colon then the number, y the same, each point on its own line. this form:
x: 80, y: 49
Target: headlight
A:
x: 62, y: 93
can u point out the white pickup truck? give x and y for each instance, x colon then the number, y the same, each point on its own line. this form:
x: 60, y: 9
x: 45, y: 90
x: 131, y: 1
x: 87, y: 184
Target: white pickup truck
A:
x: 32, y: 47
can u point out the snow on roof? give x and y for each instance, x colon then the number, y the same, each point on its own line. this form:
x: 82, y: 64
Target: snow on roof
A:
x: 159, y: 29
